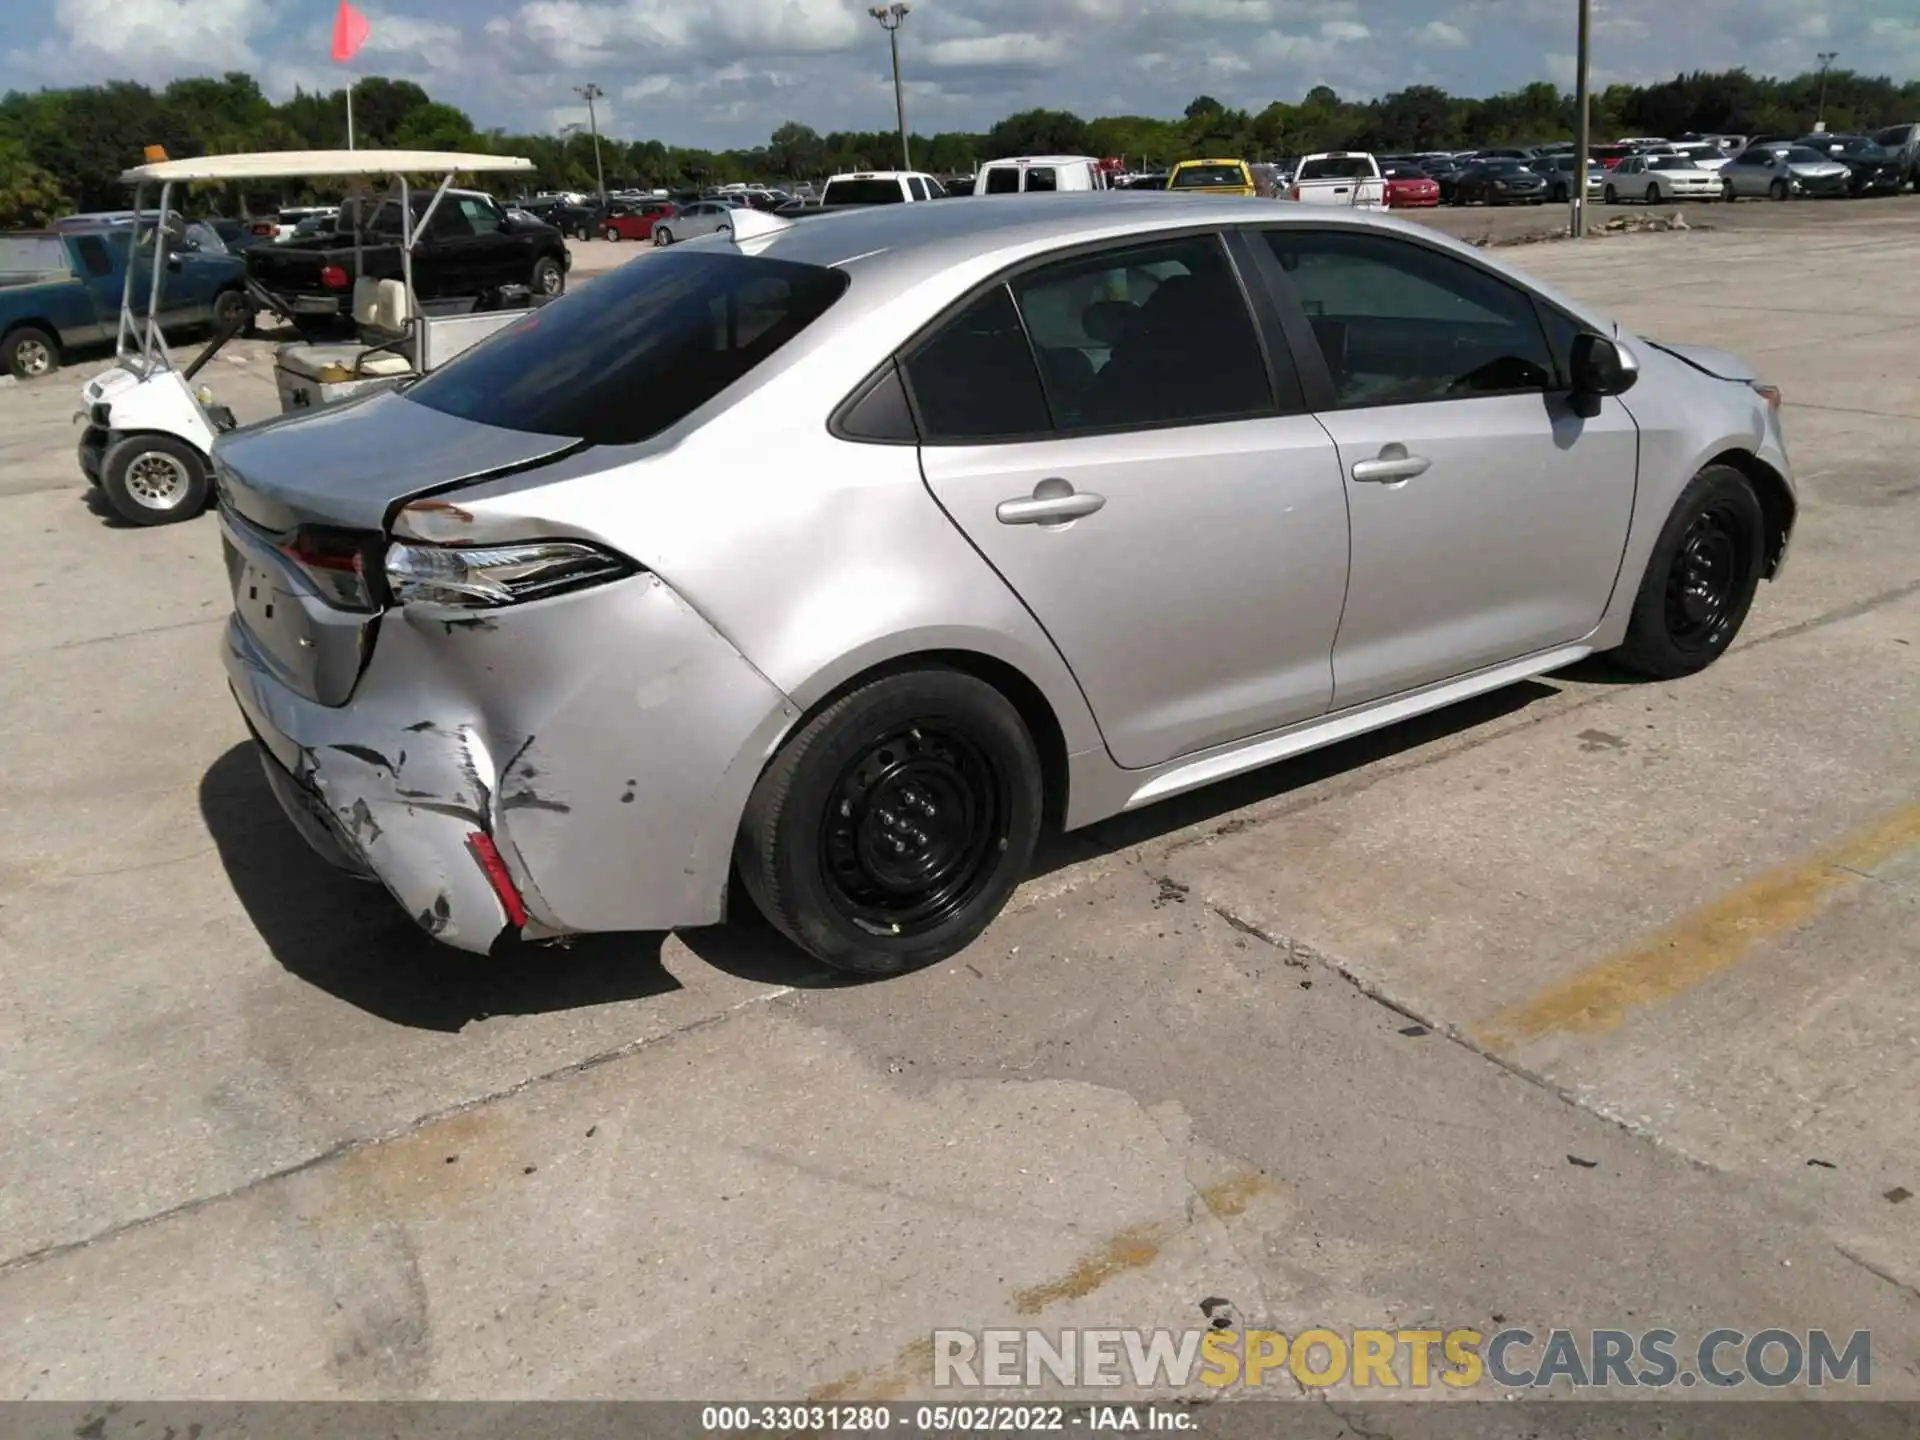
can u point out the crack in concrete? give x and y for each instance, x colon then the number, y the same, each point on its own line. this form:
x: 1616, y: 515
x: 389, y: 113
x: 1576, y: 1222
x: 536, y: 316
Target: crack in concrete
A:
x: 1904, y: 1287
x: 1386, y: 1000
x: 355, y: 1144
x: 1367, y: 775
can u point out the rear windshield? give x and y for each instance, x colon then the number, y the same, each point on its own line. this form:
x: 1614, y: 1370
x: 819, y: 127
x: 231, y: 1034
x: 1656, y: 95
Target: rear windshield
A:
x: 864, y: 192
x: 636, y: 352
x: 1003, y: 180
x: 1801, y: 155
x: 1337, y: 167
x: 1196, y: 176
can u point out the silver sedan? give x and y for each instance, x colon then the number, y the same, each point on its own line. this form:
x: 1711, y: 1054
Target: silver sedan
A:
x: 1050, y: 509
x: 1780, y: 172
x: 690, y: 222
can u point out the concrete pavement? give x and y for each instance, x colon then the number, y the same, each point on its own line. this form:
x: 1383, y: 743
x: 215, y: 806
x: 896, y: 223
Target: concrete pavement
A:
x: 1539, y: 1011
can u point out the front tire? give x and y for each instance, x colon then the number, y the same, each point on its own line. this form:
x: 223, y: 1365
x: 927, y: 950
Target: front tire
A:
x: 232, y: 307
x: 1610, y: 195
x: 548, y: 277
x: 1700, y: 580
x: 662, y: 237
x: 1778, y: 190
x: 1653, y: 193
x: 613, y: 234
x: 892, y: 828
x: 28, y: 353
x: 155, y: 479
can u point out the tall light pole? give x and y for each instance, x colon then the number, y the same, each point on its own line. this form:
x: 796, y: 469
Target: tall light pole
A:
x: 1827, y: 57
x: 890, y: 18
x: 1582, y: 122
x: 590, y: 93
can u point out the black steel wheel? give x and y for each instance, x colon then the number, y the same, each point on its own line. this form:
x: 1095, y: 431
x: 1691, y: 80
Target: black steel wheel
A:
x: 894, y: 825
x: 1701, y: 578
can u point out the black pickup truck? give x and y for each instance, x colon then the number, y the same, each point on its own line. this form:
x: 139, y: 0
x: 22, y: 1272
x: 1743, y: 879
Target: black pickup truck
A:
x: 472, y: 249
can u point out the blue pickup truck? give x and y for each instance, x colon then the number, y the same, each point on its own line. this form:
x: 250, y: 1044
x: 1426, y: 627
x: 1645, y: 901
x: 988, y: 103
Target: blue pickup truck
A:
x: 60, y: 290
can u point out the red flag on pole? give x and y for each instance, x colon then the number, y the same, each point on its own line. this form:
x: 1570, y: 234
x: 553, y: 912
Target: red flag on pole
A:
x: 350, y: 30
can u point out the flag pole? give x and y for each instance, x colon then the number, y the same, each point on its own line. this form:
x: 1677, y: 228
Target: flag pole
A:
x: 349, y: 112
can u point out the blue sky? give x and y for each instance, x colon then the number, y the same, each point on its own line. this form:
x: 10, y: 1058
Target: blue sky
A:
x: 725, y: 72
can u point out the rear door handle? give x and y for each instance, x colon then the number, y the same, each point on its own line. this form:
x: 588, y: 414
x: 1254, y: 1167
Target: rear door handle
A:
x: 1053, y: 502
x: 1394, y: 464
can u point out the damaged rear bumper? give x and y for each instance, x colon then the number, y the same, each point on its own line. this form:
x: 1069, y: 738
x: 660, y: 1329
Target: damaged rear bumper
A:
x: 573, y: 765
x: 406, y: 818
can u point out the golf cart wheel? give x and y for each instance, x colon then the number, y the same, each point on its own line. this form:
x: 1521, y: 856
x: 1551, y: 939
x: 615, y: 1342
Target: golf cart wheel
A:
x: 662, y: 236
x: 613, y: 233
x: 155, y: 479
x: 1778, y: 190
x: 893, y: 826
x: 1653, y: 192
x: 29, y: 354
x: 548, y: 278
x: 233, y: 309
x: 1610, y: 195
x: 1700, y: 580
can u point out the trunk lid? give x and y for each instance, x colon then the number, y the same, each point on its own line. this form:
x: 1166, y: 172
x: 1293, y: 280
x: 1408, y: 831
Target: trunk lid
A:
x: 304, y: 503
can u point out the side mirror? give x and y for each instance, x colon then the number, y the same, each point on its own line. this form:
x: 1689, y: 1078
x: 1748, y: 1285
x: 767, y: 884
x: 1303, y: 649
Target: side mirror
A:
x: 1601, y: 367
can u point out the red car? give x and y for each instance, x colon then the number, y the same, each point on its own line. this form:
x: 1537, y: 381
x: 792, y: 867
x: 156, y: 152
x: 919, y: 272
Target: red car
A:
x: 636, y: 223
x: 1611, y: 155
x: 1410, y: 188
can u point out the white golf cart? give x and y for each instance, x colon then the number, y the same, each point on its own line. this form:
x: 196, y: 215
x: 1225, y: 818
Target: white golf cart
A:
x: 150, y: 432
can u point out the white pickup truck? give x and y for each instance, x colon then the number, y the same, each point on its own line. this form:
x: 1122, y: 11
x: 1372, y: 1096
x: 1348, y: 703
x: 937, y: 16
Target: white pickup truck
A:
x: 1340, y: 177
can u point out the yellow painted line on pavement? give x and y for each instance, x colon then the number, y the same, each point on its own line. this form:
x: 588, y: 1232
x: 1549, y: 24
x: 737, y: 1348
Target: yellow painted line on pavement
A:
x: 1701, y: 944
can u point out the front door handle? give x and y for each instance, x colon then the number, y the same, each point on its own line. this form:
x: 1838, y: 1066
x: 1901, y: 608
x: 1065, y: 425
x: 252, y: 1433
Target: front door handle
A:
x: 1394, y: 465
x: 1053, y: 502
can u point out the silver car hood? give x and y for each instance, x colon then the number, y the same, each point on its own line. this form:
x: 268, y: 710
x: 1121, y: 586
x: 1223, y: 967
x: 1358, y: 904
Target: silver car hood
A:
x: 350, y: 463
x: 1721, y: 364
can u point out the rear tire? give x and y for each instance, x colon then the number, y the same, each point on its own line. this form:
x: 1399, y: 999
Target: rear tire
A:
x: 613, y: 234
x: 1778, y: 190
x: 1610, y: 195
x: 1700, y: 580
x: 228, y: 305
x: 28, y: 353
x: 1653, y: 192
x: 154, y: 479
x: 892, y: 828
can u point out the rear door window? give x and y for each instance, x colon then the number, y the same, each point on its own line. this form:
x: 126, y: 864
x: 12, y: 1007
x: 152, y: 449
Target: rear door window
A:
x: 1148, y: 335
x: 974, y: 379
x: 641, y: 349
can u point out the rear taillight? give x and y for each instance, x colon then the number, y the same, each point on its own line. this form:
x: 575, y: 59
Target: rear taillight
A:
x: 484, y: 577
x: 265, y: 227
x: 338, y: 562
x: 1294, y: 193
x: 1768, y: 393
x: 333, y: 277
x: 493, y: 865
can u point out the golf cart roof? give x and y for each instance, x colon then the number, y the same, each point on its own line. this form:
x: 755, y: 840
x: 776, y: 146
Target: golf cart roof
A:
x: 291, y: 164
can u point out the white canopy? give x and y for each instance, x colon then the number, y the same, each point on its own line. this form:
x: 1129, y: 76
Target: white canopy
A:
x: 294, y: 164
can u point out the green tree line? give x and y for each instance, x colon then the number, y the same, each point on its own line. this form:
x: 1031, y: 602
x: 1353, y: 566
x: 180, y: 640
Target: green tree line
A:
x: 64, y: 149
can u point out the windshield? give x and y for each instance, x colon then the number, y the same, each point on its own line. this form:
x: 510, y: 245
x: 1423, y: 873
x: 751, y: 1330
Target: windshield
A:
x: 1338, y: 167
x: 638, y: 351
x: 865, y: 192
x: 1195, y: 177
x: 1801, y: 155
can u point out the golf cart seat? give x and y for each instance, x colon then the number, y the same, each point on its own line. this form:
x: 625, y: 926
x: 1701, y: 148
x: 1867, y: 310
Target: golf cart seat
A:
x: 381, y: 311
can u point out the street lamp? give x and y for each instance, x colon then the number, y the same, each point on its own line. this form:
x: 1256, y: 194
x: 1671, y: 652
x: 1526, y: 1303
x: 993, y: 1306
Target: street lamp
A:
x: 890, y: 17
x: 1582, y: 123
x: 1827, y: 57
x: 590, y: 93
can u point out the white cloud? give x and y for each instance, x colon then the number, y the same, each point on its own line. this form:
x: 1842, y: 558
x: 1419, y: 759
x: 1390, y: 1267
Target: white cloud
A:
x: 1019, y: 48
x: 1439, y: 35
x: 159, y: 38
x: 1342, y: 32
